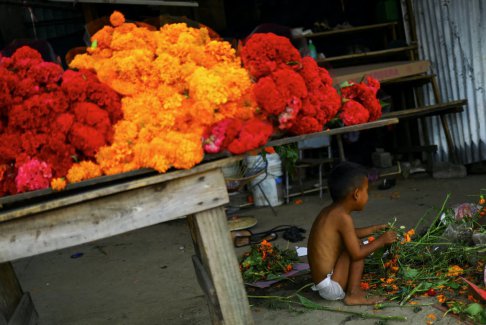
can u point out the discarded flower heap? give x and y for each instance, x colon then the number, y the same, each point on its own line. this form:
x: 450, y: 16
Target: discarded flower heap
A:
x: 293, y: 91
x: 433, y: 262
x: 48, y: 120
x: 176, y: 83
x: 266, y: 262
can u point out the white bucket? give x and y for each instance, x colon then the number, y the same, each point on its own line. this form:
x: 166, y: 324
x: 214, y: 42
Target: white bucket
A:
x: 270, y: 182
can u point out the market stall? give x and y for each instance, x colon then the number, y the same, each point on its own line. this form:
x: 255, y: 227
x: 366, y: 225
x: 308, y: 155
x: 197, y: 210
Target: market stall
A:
x: 31, y: 227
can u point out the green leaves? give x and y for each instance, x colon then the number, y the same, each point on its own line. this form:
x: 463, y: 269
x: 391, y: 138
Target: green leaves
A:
x: 409, y: 273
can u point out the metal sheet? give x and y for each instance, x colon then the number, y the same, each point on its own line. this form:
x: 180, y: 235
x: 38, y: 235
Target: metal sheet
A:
x: 452, y: 35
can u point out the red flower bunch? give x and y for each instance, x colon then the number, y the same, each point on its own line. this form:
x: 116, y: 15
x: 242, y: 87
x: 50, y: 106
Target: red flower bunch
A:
x: 353, y: 113
x: 49, y: 119
x: 294, y: 91
x: 266, y: 53
x: 237, y: 136
x: 365, y: 94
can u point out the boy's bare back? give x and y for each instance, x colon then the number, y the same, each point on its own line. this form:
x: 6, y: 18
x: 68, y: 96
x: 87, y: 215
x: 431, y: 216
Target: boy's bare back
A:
x: 325, y: 243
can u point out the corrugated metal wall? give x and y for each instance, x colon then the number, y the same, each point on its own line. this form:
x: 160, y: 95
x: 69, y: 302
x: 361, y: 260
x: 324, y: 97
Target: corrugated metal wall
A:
x: 452, y: 35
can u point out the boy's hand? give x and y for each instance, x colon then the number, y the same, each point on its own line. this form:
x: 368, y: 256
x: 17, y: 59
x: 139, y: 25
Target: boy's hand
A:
x: 389, y: 237
x: 381, y: 227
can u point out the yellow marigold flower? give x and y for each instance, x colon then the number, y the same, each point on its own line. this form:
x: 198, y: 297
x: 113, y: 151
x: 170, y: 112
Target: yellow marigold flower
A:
x: 441, y: 298
x: 117, y: 18
x: 58, y: 184
x: 454, y: 270
x: 175, y: 83
x: 103, y: 38
x: 82, y: 171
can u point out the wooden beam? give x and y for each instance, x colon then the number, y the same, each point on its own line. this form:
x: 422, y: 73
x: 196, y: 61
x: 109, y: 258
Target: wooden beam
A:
x: 217, y: 255
x: 106, y: 216
x: 336, y: 131
x: 348, y: 30
x: 370, y: 54
x: 10, y: 291
x: 449, y: 107
x: 89, y: 194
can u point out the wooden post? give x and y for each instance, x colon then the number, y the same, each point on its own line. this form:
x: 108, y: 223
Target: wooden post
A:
x: 16, y: 308
x: 213, y: 244
x: 10, y: 291
x: 445, y: 124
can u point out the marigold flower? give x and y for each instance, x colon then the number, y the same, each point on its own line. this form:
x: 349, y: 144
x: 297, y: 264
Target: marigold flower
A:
x: 441, y: 298
x: 365, y: 285
x: 431, y: 316
x: 117, y: 18
x: 58, y: 184
x: 454, y: 270
x: 83, y: 170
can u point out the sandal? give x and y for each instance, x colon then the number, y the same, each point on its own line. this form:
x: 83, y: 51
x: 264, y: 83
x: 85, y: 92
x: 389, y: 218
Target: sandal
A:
x: 246, y: 237
x: 291, y: 233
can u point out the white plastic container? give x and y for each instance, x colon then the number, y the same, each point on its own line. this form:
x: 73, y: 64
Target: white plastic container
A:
x: 268, y: 184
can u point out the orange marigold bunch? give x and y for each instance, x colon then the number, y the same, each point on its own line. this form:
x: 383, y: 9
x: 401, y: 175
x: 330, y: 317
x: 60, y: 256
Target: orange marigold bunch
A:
x: 176, y: 83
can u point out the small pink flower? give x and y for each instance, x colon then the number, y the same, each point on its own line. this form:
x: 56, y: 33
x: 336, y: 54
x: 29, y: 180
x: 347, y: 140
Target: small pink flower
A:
x: 33, y: 175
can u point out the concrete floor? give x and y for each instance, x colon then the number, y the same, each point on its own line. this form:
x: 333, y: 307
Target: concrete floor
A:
x: 146, y: 276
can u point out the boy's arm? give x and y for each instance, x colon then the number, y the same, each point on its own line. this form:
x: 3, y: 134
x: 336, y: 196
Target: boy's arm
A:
x: 352, y: 243
x: 367, y: 231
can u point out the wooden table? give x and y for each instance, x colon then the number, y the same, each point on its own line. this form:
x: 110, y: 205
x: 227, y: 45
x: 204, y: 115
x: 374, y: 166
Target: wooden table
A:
x: 34, y: 223
x: 338, y: 132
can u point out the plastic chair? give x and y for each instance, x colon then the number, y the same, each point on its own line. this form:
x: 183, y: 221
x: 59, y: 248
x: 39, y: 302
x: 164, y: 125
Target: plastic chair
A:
x: 322, y: 142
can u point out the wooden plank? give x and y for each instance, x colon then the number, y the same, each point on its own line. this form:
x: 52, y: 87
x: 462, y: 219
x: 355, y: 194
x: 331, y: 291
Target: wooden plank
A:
x: 417, y: 80
x: 380, y: 71
x: 450, y: 107
x: 107, y: 216
x: 10, y: 291
x: 42, y: 206
x: 348, y: 30
x: 217, y: 254
x: 336, y: 131
x: 370, y: 54
x: 25, y: 313
x: 426, y: 148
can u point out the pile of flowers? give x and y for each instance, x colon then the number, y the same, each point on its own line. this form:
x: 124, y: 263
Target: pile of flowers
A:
x: 360, y: 104
x: 177, y: 82
x: 49, y: 119
x: 266, y: 262
x: 429, y: 263
x: 147, y: 98
x: 293, y: 91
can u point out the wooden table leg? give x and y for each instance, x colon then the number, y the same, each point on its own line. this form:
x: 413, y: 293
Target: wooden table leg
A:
x: 213, y: 245
x: 15, y: 307
x: 339, y: 139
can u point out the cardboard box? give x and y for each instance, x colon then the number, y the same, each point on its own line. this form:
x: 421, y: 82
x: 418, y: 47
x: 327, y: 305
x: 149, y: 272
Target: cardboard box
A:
x: 380, y: 71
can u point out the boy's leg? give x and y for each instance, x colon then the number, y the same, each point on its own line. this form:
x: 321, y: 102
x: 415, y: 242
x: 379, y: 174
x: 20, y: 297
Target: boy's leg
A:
x: 348, y: 274
x: 354, y: 294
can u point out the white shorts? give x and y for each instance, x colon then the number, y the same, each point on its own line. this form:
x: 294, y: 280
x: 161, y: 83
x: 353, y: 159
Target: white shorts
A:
x: 329, y: 289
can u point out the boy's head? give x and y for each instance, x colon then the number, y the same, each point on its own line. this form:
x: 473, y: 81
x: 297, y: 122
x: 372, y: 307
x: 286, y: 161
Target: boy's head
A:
x: 345, y: 179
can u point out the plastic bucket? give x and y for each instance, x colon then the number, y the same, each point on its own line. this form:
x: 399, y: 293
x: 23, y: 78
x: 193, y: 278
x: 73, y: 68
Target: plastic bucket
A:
x: 268, y: 184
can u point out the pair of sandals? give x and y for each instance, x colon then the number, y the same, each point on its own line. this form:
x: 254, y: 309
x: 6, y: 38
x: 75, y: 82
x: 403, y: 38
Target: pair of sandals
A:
x: 245, y: 237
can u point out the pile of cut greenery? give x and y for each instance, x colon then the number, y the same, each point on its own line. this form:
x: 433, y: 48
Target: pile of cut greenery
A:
x: 266, y: 262
x: 434, y: 260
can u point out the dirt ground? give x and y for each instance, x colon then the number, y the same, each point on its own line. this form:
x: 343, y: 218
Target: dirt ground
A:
x: 146, y: 276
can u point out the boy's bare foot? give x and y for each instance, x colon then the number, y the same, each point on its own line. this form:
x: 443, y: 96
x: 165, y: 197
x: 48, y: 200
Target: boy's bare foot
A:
x: 360, y: 299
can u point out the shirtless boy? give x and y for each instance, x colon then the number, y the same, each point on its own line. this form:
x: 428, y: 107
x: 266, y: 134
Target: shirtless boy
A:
x: 336, y: 255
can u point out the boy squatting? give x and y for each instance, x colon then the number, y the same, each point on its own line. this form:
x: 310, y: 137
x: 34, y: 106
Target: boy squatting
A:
x: 336, y: 255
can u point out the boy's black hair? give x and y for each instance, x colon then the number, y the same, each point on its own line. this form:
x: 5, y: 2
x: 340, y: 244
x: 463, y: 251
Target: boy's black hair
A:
x: 344, y: 178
